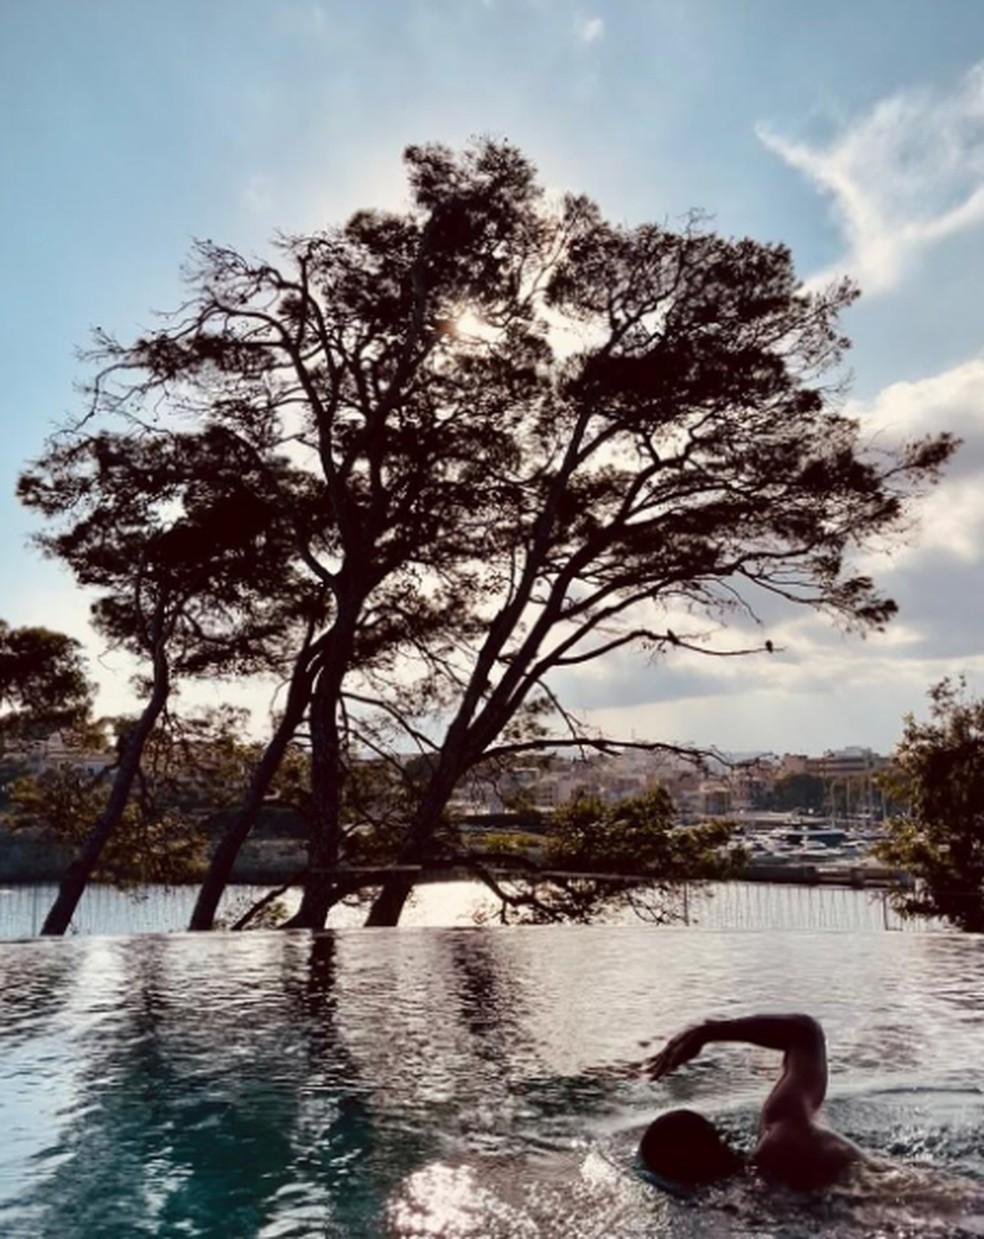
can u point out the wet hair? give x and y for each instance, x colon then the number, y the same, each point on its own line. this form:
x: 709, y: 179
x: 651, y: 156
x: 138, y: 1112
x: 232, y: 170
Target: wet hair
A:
x: 683, y: 1147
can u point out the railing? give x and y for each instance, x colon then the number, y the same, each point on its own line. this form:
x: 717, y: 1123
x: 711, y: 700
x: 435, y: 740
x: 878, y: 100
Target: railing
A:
x: 717, y: 905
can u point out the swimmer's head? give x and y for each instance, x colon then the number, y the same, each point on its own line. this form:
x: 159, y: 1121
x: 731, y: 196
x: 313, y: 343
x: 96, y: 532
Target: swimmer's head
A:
x: 683, y: 1147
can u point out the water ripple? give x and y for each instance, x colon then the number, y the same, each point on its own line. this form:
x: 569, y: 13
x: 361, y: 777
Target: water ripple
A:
x: 413, y: 1082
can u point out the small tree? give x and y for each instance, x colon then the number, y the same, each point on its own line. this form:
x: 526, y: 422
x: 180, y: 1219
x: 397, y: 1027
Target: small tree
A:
x: 174, y: 532
x: 938, y: 772
x: 798, y: 791
x: 601, y: 857
x: 192, y: 768
x: 43, y: 684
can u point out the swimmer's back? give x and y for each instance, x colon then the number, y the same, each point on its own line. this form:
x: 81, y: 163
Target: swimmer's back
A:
x: 794, y: 1147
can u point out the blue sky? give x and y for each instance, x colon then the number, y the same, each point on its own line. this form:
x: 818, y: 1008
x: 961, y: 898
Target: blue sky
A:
x: 853, y: 132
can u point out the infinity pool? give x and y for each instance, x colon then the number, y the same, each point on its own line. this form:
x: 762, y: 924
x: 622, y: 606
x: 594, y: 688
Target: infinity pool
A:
x: 452, y: 1082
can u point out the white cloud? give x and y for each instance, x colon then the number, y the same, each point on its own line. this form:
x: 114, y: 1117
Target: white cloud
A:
x: 858, y: 702
x: 590, y: 29
x: 951, y: 521
x: 951, y: 400
x: 824, y: 688
x: 951, y: 517
x: 901, y: 177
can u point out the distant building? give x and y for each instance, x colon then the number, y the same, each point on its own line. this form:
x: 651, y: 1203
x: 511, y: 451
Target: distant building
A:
x: 849, y: 775
x: 752, y: 781
x: 54, y: 753
x: 846, y: 763
x: 715, y: 798
x: 542, y: 783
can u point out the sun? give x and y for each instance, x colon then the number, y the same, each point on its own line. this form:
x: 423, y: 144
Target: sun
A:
x: 470, y: 326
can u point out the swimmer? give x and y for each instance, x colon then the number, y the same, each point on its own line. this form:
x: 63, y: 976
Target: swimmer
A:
x: 793, y: 1148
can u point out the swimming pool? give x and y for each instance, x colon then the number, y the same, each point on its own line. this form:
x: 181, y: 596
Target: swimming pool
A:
x: 447, y: 1082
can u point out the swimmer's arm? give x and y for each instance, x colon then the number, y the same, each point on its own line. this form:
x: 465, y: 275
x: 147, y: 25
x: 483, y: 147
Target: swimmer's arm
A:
x: 773, y: 1032
x: 799, y: 1037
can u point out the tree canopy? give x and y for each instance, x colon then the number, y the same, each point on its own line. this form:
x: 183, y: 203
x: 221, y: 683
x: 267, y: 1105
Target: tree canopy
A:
x: 43, y: 682
x: 688, y: 456
x: 798, y: 791
x: 174, y: 533
x: 937, y: 772
x: 424, y: 461
x: 600, y: 857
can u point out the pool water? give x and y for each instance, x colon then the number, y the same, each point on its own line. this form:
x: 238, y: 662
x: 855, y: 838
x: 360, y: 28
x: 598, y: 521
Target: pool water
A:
x: 455, y: 1082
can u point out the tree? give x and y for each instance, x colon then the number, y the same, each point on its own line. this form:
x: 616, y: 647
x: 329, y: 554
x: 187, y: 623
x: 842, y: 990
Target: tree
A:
x: 376, y: 797
x: 43, y: 682
x: 798, y: 791
x: 495, y: 507
x: 349, y: 350
x: 191, y: 769
x: 173, y: 531
x: 689, y: 455
x: 937, y: 770
x: 630, y: 853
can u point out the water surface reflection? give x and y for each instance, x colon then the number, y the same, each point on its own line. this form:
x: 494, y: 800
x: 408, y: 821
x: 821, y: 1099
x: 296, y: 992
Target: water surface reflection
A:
x: 363, y: 1083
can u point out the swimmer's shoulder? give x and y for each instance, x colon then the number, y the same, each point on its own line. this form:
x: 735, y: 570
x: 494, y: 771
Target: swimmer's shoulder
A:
x: 805, y: 1156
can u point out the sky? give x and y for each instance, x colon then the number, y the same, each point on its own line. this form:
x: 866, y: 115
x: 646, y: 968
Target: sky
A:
x: 852, y: 132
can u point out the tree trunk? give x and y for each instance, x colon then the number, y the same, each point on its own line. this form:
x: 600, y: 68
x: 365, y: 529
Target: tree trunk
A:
x: 229, y: 846
x: 467, y: 737
x: 387, y: 907
x: 79, y: 872
x: 325, y: 833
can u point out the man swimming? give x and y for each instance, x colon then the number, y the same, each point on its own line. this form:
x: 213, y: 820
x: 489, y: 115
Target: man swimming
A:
x: 793, y: 1147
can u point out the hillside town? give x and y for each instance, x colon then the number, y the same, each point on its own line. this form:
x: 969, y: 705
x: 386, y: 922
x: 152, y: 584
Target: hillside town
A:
x: 790, y: 810
x: 839, y: 783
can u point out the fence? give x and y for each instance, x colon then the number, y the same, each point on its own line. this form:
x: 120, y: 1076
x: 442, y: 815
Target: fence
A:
x: 719, y: 906
x: 766, y: 905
